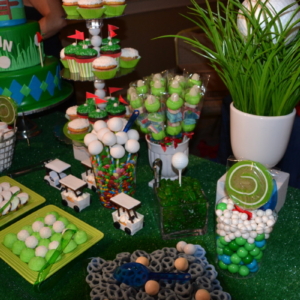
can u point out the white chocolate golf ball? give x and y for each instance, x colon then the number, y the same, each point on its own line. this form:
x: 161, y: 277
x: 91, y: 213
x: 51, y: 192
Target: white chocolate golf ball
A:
x: 100, y: 93
x: 115, y: 124
x: 102, y: 132
x: 99, y: 85
x: 95, y: 147
x: 133, y: 134
x: 132, y: 146
x: 90, y: 137
x: 94, y: 31
x: 122, y: 137
x: 109, y: 139
x: 180, y: 160
x: 117, y: 151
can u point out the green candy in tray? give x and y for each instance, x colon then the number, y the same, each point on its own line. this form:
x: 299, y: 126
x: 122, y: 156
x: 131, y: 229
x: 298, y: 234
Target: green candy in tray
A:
x: 182, y: 209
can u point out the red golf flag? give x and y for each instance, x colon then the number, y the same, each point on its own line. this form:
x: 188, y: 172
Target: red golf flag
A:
x: 78, y: 35
x: 39, y: 37
x: 90, y: 95
x: 112, y: 34
x: 122, y: 100
x: 112, y: 27
x: 98, y: 101
x: 114, y: 89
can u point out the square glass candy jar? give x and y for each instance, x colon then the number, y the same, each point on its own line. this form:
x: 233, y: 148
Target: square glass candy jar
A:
x: 241, y: 237
x: 182, y: 209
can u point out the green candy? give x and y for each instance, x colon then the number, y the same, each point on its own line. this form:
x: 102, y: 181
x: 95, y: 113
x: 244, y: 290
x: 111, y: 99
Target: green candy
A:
x: 36, y: 235
x: 37, y: 263
x: 17, y: 247
x: 173, y: 130
x: 222, y: 206
x: 232, y: 268
x: 71, y: 226
x: 244, y: 271
x: 70, y: 247
x: 9, y: 240
x: 247, y: 259
x: 235, y: 259
x: 242, y: 252
x: 255, y: 251
x: 222, y: 265
x: 41, y: 219
x: 80, y: 237
x: 44, y: 242
x: 240, y: 241
x: 263, y: 248
x: 260, y: 237
x: 220, y: 251
x: 188, y: 127
x: 227, y: 251
x: 249, y: 246
x: 259, y: 256
x: 64, y: 220
x: 50, y: 253
x: 222, y: 240
x: 234, y: 246
x: 158, y: 136
x: 56, y: 237
x: 219, y: 244
x: 27, y: 254
x: 28, y: 228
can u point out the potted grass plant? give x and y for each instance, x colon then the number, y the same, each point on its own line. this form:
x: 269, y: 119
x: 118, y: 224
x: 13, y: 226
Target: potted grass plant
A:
x: 256, y: 52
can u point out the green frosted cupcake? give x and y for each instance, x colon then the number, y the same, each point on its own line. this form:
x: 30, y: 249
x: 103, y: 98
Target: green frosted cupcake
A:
x: 9, y: 240
x: 114, y: 41
x: 96, y: 115
x: 116, y: 110
x: 83, y: 110
x: 37, y: 263
x: 84, y: 58
x: 27, y: 254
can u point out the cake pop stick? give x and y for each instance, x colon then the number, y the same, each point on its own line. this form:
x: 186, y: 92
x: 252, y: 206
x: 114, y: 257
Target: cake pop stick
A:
x: 109, y: 139
x: 131, y: 146
x: 180, y: 161
x: 117, y: 151
x: 95, y: 148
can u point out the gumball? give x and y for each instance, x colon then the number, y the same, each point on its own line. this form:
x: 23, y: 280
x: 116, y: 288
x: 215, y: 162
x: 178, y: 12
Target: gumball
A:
x: 232, y: 268
x: 115, y: 124
x: 180, y: 160
x: 133, y: 134
x: 94, y: 31
x: 222, y: 265
x: 242, y: 252
x: 143, y: 260
x: 181, y: 264
x: 90, y: 137
x: 95, y: 147
x: 101, y: 133
x: 152, y: 287
x: 101, y: 94
x: 99, y: 125
x: 244, y: 271
x: 202, y: 295
x: 96, y: 40
x: 189, y: 249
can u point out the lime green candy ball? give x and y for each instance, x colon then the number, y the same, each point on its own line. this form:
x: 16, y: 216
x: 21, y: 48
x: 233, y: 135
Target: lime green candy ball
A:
x: 152, y: 107
x: 259, y: 256
x: 233, y: 268
x: 240, y: 241
x: 28, y: 228
x: 37, y: 263
x: 27, y: 254
x: 70, y: 247
x: 233, y: 246
x: 244, y: 271
x: 194, y: 100
x: 41, y: 219
x: 57, y: 236
x: 260, y: 237
x: 145, y: 130
x: 9, y: 240
x: 17, y: 247
x: 53, y: 213
x: 188, y: 127
x: 36, y: 235
x: 219, y: 244
x: 72, y: 226
x: 242, y: 252
x: 158, y: 136
x: 220, y: 251
x: 247, y: 259
x: 227, y: 251
x: 222, y: 240
x: 235, y: 259
x: 255, y: 251
x: 222, y: 265
x: 64, y: 220
x: 222, y: 206
x: 80, y: 237
x: 44, y: 242
x: 50, y: 253
x: 173, y: 130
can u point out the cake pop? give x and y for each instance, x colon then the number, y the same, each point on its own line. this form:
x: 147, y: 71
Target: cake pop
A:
x: 133, y: 134
x: 180, y: 161
x: 115, y: 124
x: 109, y: 139
x: 95, y: 147
x: 101, y: 133
x: 117, y: 151
x: 99, y: 125
x: 88, y: 138
x: 122, y: 137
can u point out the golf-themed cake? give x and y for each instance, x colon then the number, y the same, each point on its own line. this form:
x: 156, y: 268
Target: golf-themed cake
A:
x: 29, y: 77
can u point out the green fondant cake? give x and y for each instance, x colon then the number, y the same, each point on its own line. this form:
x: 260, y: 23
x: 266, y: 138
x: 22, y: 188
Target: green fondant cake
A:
x: 29, y: 77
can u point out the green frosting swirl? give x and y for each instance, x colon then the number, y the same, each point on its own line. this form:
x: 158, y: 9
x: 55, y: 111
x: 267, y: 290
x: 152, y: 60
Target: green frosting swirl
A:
x: 113, y: 47
x: 86, y: 52
x: 71, y: 49
x: 84, y: 109
x: 98, y: 114
x: 85, y: 42
x: 105, y: 41
x: 116, y: 109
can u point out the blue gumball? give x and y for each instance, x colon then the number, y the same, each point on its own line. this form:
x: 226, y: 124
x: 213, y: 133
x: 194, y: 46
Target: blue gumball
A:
x: 260, y: 244
x: 253, y: 270
x: 226, y: 259
x: 252, y: 265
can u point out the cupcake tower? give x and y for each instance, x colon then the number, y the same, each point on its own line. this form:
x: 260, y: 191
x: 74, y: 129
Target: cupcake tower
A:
x: 169, y: 105
x: 113, y: 156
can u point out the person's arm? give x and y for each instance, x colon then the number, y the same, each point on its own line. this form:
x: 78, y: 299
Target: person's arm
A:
x: 53, y: 15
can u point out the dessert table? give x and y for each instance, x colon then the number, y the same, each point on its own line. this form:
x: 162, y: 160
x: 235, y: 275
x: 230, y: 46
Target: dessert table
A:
x: 277, y: 279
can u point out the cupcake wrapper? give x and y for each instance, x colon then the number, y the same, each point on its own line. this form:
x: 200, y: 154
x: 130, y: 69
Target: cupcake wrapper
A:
x: 105, y: 74
x: 65, y: 63
x: 85, y: 70
x: 71, y: 10
x: 91, y: 13
x: 73, y: 66
x: 117, y: 10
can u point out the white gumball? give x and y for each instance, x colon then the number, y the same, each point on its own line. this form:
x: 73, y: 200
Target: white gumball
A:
x: 180, y: 160
x: 115, y: 124
x: 133, y: 134
x: 122, y: 137
x: 117, y: 151
x: 95, y: 147
x: 132, y: 146
x: 94, y: 31
x: 99, y: 85
x: 96, y: 40
x: 101, y: 133
x: 89, y: 138
x: 180, y: 246
x: 109, y: 139
x: 99, y: 125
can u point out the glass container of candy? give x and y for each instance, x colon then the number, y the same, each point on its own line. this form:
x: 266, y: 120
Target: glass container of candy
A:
x: 113, y: 177
x: 182, y: 209
x: 241, y: 237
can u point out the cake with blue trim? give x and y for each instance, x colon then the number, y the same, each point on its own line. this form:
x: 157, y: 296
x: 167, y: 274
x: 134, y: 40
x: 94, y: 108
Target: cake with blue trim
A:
x: 27, y: 75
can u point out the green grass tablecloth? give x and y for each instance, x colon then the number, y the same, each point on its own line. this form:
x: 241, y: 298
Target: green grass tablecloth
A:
x: 277, y: 279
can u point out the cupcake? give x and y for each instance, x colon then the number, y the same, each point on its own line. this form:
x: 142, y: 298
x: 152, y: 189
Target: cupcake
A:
x: 84, y: 58
x: 78, y: 126
x: 116, y: 110
x: 71, y: 112
x: 83, y: 110
x: 90, y: 3
x: 63, y: 60
x: 104, y: 63
x: 114, y: 41
x: 114, y: 7
x: 70, y: 7
x: 129, y: 58
x: 97, y: 115
x: 112, y: 50
x: 86, y: 42
x: 70, y: 54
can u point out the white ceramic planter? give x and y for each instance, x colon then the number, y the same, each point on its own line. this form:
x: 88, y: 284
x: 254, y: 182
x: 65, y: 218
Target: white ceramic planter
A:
x: 259, y: 138
x: 155, y: 151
